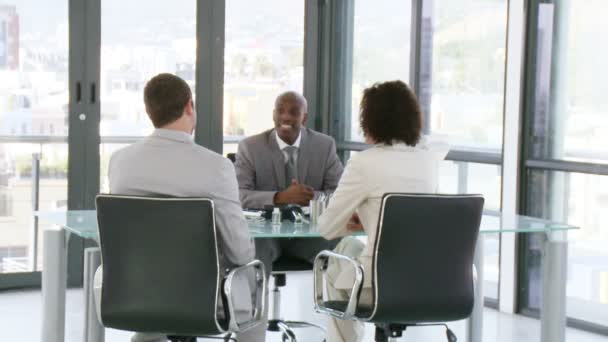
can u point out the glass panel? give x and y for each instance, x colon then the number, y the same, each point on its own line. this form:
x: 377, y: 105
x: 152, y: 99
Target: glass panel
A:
x: 230, y: 148
x: 33, y: 101
x: 20, y: 242
x: 580, y: 200
x: 264, y: 57
x: 381, y: 49
x: 34, y: 68
x: 136, y: 44
x: 577, y: 126
x: 491, y: 265
x: 460, y: 177
x: 472, y: 178
x: 468, y: 49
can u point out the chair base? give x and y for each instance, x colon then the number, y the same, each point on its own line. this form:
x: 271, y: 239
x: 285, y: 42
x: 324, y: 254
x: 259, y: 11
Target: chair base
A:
x: 285, y: 328
x: 388, y: 332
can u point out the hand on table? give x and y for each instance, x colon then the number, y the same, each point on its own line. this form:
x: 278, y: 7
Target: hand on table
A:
x: 354, y: 224
x: 296, y: 193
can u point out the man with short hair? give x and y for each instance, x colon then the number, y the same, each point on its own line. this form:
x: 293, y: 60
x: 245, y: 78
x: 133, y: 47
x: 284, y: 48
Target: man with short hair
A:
x: 289, y: 164
x: 169, y: 163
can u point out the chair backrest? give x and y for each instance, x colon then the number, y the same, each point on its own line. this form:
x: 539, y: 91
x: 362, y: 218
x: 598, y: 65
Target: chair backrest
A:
x: 160, y: 264
x: 423, y: 257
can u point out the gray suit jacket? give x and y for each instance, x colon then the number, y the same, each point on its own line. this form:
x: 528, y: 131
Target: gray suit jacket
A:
x: 260, y: 166
x: 169, y: 163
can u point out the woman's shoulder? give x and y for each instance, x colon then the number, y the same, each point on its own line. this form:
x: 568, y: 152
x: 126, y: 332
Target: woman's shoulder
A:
x: 434, y: 145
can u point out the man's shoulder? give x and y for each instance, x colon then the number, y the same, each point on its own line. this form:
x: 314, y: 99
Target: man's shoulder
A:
x: 191, y: 152
x: 258, y: 143
x: 206, y: 155
x: 318, y: 138
x: 260, y: 139
x: 127, y: 151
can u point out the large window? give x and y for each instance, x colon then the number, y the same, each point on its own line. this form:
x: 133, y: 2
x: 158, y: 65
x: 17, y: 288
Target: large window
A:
x: 381, y: 49
x: 462, y: 74
x: 138, y: 42
x: 484, y: 179
x: 580, y: 200
x: 472, y: 178
x: 33, y: 68
x: 20, y: 177
x: 462, y: 96
x: 264, y: 57
x: 33, y: 107
x: 468, y: 69
x: 567, y: 124
x: 577, y: 128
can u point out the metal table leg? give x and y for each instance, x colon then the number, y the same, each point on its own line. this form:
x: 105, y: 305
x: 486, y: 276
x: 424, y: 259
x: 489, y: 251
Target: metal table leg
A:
x: 54, y: 278
x: 553, y: 297
x: 93, y: 330
x: 474, y: 325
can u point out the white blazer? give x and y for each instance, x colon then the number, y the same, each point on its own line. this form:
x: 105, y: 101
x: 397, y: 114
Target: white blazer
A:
x: 367, y: 177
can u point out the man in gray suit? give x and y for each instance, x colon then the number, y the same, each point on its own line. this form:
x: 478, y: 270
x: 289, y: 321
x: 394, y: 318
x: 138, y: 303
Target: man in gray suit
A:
x: 289, y: 164
x: 169, y: 163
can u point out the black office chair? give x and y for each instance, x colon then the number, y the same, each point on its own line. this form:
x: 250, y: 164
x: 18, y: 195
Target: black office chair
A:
x: 422, y: 267
x: 161, y: 270
x: 275, y: 321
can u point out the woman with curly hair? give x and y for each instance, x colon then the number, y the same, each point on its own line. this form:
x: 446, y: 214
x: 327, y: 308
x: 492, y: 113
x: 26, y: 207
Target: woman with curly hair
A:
x: 399, y: 161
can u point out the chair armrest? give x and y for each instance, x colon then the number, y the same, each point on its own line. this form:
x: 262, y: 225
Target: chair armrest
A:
x: 319, y: 268
x: 260, y: 296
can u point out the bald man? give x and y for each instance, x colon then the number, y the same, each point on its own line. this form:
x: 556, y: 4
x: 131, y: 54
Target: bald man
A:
x: 289, y: 164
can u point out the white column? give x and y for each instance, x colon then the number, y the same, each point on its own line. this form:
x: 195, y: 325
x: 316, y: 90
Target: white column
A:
x: 554, y: 278
x: 54, y: 278
x: 93, y: 330
x: 511, y: 146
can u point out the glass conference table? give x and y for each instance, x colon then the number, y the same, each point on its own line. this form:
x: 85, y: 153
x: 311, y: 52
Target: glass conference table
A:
x: 83, y: 223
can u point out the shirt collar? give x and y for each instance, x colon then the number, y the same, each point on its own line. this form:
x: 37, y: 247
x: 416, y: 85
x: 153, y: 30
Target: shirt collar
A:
x: 283, y: 144
x: 172, y: 134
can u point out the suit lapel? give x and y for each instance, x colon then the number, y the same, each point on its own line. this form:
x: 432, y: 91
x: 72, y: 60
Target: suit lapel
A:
x: 278, y: 160
x: 303, y: 155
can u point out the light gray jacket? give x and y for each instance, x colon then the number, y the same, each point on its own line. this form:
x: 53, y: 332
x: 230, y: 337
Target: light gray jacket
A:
x: 260, y: 166
x: 169, y: 163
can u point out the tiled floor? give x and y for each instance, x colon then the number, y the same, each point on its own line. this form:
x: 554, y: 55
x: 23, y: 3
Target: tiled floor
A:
x: 20, y: 320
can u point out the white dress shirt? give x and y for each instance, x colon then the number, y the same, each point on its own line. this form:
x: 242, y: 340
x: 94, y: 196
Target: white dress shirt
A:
x: 367, y: 177
x: 282, y: 144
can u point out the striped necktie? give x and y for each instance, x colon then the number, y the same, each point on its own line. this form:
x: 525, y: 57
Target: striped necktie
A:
x: 291, y: 170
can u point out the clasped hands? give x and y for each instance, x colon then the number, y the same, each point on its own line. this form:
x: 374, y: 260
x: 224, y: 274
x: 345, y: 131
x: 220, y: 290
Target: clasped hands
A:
x: 301, y: 194
x: 296, y: 193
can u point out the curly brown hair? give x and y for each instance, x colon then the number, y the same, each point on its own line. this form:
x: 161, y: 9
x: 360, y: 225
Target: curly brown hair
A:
x: 390, y: 113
